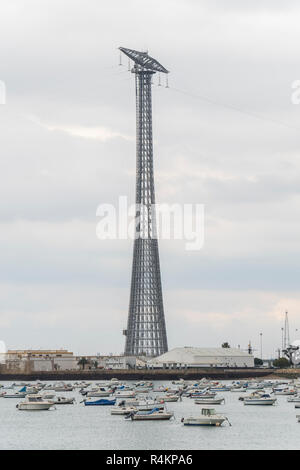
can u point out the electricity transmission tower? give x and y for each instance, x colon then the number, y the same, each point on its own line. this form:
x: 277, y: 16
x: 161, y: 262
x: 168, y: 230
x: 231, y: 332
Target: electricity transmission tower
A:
x: 146, y: 328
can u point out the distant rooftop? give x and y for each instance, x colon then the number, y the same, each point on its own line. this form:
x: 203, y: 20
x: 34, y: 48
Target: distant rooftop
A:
x: 193, y: 355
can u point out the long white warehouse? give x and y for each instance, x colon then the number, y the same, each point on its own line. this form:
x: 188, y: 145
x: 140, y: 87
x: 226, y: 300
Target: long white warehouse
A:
x: 202, y: 357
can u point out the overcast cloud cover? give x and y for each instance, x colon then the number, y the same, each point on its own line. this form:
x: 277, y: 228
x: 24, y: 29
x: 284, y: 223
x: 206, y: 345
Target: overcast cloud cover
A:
x: 226, y: 135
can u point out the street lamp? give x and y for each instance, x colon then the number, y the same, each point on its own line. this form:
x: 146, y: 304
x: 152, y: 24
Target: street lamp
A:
x: 261, y: 356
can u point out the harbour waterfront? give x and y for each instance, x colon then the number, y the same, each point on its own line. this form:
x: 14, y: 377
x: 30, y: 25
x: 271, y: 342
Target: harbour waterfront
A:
x: 79, y: 427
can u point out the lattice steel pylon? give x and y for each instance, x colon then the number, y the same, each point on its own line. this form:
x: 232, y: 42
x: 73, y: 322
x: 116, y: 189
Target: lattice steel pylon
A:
x: 146, y: 328
x: 286, y: 341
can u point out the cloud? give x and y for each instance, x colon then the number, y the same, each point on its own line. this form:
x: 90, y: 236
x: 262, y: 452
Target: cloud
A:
x: 225, y: 135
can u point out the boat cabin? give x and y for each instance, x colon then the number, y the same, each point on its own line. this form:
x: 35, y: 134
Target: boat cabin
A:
x: 208, y: 411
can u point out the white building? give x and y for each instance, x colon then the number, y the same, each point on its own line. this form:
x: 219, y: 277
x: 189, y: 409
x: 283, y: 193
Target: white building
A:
x: 202, y: 357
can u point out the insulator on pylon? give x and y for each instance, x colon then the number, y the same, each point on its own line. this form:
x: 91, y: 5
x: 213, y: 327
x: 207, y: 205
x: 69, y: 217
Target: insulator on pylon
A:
x: 159, y: 83
x: 167, y: 81
x: 120, y: 61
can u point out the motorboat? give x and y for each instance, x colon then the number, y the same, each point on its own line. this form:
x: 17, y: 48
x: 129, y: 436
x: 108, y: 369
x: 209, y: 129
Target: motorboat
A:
x: 14, y: 395
x: 295, y: 399
x: 285, y: 391
x: 122, y: 410
x: 35, y: 403
x: 209, y: 401
x: 142, y: 405
x: 100, y: 392
x: 64, y: 401
x: 152, y: 415
x: 221, y: 388
x: 48, y: 396
x: 208, y: 417
x: 203, y: 394
x: 100, y: 402
x: 168, y: 398
x: 256, y: 394
x: 264, y: 399
x: 125, y: 394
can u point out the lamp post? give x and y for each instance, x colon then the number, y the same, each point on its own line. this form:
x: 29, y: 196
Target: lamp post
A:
x: 261, y: 356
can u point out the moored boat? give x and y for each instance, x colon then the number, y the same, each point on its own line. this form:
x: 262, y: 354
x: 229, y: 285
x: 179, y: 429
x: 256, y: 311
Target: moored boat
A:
x: 264, y: 399
x: 152, y: 415
x: 35, y: 403
x: 208, y: 417
x: 209, y: 401
x: 101, y: 402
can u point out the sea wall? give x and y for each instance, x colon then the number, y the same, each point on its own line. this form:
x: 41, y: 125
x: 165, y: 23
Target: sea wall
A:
x: 145, y: 374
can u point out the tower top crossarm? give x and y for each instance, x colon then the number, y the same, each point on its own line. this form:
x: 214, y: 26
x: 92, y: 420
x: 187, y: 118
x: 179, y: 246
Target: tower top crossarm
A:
x: 144, y: 60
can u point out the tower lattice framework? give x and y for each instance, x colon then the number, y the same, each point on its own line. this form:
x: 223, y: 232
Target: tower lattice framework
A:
x: 146, y: 328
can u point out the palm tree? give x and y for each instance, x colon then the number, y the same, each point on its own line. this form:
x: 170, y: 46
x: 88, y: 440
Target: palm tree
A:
x: 82, y: 362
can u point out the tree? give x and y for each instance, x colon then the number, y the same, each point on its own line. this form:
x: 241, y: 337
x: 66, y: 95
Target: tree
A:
x: 95, y: 364
x: 258, y: 362
x: 282, y: 363
x: 226, y: 345
x: 83, y: 362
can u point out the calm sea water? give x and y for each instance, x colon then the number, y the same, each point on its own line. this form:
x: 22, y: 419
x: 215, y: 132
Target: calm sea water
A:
x: 80, y: 427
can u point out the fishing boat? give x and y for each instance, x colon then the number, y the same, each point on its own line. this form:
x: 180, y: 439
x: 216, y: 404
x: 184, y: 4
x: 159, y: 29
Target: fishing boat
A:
x: 209, y: 401
x: 208, y: 417
x: 100, y: 402
x: 152, y: 415
x: 264, y: 399
x: 35, y: 403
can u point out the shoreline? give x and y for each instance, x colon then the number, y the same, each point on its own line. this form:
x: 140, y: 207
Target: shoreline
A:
x: 165, y: 374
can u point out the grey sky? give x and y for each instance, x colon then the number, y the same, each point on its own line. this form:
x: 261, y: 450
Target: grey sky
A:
x: 67, y: 136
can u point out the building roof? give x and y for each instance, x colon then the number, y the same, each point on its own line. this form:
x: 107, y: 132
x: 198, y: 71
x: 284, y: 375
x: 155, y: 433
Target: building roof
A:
x: 189, y: 355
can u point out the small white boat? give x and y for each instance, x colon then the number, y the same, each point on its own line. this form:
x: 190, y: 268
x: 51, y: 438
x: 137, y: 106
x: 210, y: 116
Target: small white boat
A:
x: 48, y: 396
x: 35, y: 403
x: 295, y: 399
x: 99, y: 393
x: 285, y: 391
x: 252, y: 395
x: 152, y: 415
x: 208, y: 417
x: 168, y: 398
x: 64, y: 401
x: 14, y: 395
x: 264, y: 399
x: 122, y: 410
x: 125, y: 394
x: 209, y: 401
